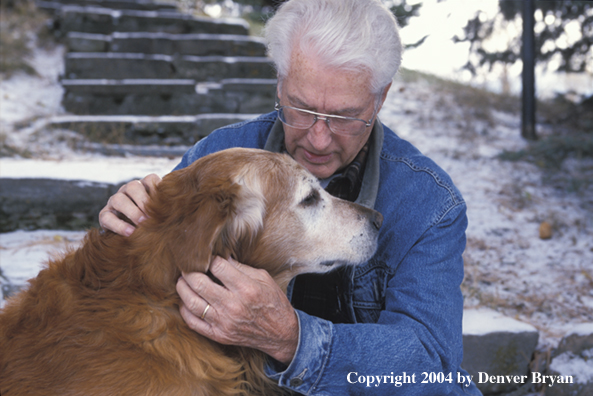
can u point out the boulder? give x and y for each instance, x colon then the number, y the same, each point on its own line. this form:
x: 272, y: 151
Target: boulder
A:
x: 497, y: 350
x: 28, y: 204
x: 572, y: 364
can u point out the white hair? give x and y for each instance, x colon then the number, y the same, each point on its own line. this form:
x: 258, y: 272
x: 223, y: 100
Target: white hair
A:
x: 352, y: 35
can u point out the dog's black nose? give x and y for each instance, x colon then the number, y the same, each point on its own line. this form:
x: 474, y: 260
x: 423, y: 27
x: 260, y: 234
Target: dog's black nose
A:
x: 377, y: 220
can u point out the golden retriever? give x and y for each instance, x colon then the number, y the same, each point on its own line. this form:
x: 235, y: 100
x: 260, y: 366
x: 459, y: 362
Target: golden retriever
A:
x: 104, y: 319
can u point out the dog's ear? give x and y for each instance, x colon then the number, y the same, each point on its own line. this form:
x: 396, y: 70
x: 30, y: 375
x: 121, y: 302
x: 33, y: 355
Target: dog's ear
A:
x: 206, y: 217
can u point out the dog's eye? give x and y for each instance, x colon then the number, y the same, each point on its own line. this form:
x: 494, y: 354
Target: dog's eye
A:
x: 311, y: 199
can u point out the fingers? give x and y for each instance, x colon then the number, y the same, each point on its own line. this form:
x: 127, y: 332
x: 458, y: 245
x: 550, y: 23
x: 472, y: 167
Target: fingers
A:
x: 150, y: 182
x: 190, y: 288
x: 109, y: 221
x: 249, y: 309
x: 130, y: 200
x: 196, y: 311
x: 233, y: 274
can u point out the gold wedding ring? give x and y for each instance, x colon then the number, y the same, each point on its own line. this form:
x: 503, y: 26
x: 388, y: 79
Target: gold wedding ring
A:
x: 205, y: 310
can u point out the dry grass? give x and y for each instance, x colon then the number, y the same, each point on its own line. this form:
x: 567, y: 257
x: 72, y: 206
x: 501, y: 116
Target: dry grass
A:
x: 20, y: 25
x: 9, y: 150
x: 514, y: 295
x: 108, y: 133
x: 466, y: 102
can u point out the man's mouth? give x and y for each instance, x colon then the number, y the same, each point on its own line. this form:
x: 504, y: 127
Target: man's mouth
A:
x: 315, y: 158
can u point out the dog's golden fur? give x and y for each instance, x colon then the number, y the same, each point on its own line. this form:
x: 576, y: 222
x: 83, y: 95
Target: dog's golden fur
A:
x: 104, y: 319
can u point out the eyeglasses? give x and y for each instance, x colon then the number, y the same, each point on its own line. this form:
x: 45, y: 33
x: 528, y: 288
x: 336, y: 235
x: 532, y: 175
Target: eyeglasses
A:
x: 305, y: 119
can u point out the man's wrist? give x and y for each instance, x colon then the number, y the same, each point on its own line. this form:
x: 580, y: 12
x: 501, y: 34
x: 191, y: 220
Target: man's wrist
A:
x: 285, y: 351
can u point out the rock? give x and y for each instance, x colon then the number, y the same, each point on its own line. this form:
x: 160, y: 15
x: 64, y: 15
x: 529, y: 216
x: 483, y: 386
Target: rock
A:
x: 579, y: 339
x: 51, y: 204
x: 573, y: 362
x: 574, y: 374
x: 496, y: 345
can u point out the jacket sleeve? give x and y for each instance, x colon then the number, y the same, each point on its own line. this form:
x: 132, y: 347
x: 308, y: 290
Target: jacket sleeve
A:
x: 415, y: 348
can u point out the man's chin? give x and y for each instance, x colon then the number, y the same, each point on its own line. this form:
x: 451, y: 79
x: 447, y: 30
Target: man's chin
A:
x: 320, y: 171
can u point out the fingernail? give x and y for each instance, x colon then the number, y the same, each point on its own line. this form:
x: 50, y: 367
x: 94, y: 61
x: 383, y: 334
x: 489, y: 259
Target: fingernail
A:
x: 141, y: 219
x: 129, y: 231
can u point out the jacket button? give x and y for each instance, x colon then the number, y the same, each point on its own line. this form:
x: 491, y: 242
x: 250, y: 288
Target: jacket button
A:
x: 296, y: 382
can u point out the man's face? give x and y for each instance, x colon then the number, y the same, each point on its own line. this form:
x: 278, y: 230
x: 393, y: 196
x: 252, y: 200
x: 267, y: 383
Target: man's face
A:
x: 309, y: 86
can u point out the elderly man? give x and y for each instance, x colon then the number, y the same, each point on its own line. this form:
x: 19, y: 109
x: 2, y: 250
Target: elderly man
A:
x: 393, y: 323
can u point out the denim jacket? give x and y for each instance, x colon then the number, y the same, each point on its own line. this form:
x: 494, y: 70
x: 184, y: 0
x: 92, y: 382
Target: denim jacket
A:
x: 405, y: 302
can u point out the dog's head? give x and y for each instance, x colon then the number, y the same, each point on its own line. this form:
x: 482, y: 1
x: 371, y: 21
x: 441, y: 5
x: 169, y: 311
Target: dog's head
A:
x: 261, y: 208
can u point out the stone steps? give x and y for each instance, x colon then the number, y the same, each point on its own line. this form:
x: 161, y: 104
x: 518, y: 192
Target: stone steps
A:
x: 186, y: 77
x: 167, y: 96
x: 143, y: 5
x: 120, y: 130
x: 201, y: 44
x: 123, y: 65
x: 90, y: 19
x: 119, y: 61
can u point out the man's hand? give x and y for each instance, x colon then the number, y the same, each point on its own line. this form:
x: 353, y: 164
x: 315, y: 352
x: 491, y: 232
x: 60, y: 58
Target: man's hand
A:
x: 249, y: 309
x: 130, y: 201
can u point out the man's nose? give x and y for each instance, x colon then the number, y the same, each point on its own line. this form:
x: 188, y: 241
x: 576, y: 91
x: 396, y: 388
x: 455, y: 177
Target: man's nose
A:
x: 319, y: 135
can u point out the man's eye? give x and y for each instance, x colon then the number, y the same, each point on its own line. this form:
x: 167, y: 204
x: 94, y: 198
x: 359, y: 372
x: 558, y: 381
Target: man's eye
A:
x: 311, y: 199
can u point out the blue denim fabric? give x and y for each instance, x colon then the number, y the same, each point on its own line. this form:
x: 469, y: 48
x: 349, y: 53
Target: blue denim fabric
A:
x: 406, y: 302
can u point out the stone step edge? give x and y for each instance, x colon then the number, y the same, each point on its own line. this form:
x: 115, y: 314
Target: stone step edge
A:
x: 168, y: 36
x: 164, y: 85
x: 123, y: 150
x: 173, y: 14
x: 132, y: 133
x: 168, y: 43
x: 61, y: 120
x: 145, y: 5
x: 168, y: 58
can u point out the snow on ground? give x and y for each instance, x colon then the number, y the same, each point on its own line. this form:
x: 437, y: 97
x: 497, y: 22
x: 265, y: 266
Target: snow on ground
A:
x: 546, y: 283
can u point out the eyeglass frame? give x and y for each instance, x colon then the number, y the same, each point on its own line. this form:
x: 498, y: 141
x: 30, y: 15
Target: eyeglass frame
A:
x: 326, y: 118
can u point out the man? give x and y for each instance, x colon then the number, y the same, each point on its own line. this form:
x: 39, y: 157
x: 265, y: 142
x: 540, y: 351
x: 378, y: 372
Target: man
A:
x: 381, y: 324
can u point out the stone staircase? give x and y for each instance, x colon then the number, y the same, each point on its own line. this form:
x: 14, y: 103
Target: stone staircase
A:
x: 143, y: 79
x: 159, y: 75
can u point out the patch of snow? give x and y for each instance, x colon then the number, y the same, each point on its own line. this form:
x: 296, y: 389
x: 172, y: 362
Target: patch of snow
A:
x: 25, y: 97
x: 96, y: 168
x: 579, y: 367
x: 24, y: 253
x: 582, y: 329
x: 483, y: 321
